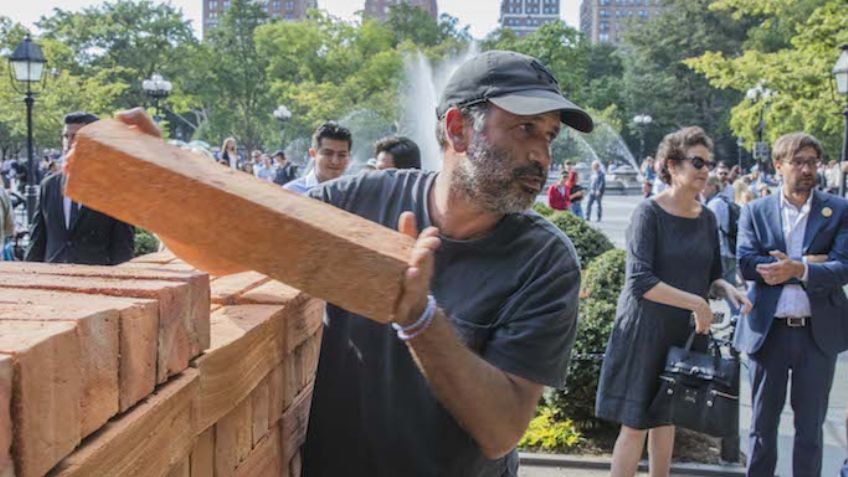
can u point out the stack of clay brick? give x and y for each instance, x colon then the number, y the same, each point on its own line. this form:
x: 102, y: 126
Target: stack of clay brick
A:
x: 152, y: 368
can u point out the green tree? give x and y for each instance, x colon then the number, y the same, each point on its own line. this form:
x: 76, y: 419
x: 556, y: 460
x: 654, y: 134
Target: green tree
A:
x: 796, y: 66
x: 658, y: 82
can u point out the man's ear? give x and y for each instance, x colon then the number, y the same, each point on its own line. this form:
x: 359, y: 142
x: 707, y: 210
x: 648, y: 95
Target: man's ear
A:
x: 312, y: 153
x: 455, y: 130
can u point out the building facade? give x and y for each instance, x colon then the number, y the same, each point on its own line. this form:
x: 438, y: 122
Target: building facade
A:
x: 285, y: 9
x: 380, y: 8
x: 605, y: 20
x: 526, y: 16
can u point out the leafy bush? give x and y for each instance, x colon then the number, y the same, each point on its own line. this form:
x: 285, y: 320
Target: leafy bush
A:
x: 542, y: 209
x: 576, y: 400
x: 144, y: 243
x: 603, y: 279
x: 546, y: 432
x: 589, y: 242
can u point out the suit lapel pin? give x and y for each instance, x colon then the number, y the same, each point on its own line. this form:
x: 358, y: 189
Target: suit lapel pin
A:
x: 827, y: 212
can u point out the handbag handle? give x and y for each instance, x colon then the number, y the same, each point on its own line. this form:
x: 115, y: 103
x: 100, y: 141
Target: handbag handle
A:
x: 712, y: 343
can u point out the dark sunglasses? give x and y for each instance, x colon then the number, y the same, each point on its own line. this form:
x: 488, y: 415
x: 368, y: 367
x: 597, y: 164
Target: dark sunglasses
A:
x: 699, y: 163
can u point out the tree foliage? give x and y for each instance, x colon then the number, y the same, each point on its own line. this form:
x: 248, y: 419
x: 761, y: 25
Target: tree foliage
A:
x: 791, y: 49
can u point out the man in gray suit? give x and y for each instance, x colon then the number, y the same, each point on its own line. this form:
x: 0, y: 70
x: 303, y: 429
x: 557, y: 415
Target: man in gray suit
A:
x: 794, y: 247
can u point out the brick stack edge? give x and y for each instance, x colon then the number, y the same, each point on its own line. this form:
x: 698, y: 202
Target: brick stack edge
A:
x: 153, y: 369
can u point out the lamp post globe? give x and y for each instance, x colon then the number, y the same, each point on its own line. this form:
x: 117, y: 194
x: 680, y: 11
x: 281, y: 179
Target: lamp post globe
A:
x: 642, y: 121
x: 156, y: 88
x: 282, y: 114
x: 26, y: 66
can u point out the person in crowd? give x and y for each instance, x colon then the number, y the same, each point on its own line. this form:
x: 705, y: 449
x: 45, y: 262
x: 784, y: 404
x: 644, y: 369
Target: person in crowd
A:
x: 597, y: 187
x: 64, y: 231
x: 575, y: 193
x: 745, y: 197
x: 558, y: 194
x: 397, y: 152
x: 723, y: 174
x: 793, y: 246
x: 735, y: 172
x: 659, y: 298
x: 727, y: 230
x: 6, y: 172
x: 658, y: 185
x: 740, y: 187
x: 7, y: 221
x: 649, y: 175
x: 330, y: 154
x: 229, y: 154
x: 763, y: 190
x: 264, y: 169
x: 370, y: 165
x: 284, y: 171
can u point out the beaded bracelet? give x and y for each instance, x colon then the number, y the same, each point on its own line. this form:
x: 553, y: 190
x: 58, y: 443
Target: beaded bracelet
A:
x: 407, y: 333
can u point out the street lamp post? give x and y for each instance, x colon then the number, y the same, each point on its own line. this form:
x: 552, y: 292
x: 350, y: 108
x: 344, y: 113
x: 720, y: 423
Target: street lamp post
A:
x: 642, y: 121
x: 156, y: 88
x: 756, y: 94
x: 282, y: 114
x: 840, y: 75
x: 27, y: 66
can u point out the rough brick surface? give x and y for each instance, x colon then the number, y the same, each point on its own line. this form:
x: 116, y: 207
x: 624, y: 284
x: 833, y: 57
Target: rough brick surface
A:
x: 226, y: 289
x: 233, y: 439
x: 203, y: 454
x: 269, y: 293
x: 6, y: 466
x: 328, y: 253
x: 183, y: 309
x: 46, y: 392
x: 247, y: 343
x: 139, y: 323
x: 147, y: 441
x: 97, y: 331
x: 163, y: 257
x: 265, y: 459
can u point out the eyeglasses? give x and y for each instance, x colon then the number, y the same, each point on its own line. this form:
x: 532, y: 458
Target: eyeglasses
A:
x: 699, y: 163
x: 799, y: 164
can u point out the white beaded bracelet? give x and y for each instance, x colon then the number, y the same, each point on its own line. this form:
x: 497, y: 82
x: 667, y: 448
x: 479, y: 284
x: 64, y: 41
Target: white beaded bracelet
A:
x: 407, y: 333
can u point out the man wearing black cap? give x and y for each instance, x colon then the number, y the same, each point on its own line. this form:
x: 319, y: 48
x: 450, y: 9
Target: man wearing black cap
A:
x: 489, y: 310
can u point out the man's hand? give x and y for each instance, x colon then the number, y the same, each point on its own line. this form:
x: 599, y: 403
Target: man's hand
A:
x: 782, y: 270
x: 416, y: 280
x: 138, y: 118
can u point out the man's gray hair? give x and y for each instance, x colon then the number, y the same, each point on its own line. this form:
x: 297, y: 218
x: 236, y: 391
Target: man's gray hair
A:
x: 477, y: 113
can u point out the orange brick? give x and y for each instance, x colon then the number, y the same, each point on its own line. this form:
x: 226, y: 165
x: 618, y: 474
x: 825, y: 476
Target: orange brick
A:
x: 165, y: 256
x: 294, y: 423
x: 139, y: 323
x: 270, y: 293
x: 146, y: 441
x: 203, y: 455
x: 247, y: 343
x: 276, y: 389
x: 296, y: 465
x: 6, y: 464
x: 226, y: 289
x: 183, y: 469
x: 197, y: 281
x: 97, y: 332
x: 183, y: 309
x: 233, y: 440
x: 260, y: 407
x: 46, y: 392
x: 265, y: 459
x: 328, y: 253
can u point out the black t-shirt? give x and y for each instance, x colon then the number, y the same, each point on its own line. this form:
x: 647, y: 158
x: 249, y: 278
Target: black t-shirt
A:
x: 511, y: 297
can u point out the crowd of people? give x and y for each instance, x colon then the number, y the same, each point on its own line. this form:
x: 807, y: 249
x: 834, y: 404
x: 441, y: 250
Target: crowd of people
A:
x: 487, y: 315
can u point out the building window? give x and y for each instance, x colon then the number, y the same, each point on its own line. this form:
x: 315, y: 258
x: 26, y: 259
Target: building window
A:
x: 603, y: 37
x: 226, y: 4
x: 603, y: 13
x: 213, y: 4
x: 290, y: 6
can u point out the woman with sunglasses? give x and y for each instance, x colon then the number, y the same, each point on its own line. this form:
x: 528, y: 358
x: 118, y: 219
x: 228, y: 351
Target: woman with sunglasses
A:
x: 673, y: 264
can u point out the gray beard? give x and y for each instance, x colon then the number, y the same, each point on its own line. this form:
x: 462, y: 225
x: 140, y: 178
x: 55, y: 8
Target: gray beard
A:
x: 489, y: 178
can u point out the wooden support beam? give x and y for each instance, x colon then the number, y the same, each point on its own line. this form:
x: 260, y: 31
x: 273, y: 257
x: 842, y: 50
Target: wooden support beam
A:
x: 328, y: 253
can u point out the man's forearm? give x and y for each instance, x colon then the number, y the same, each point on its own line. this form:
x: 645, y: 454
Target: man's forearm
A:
x: 493, y: 406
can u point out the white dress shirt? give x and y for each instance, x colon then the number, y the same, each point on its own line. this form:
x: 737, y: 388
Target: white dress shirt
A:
x: 793, y: 299
x: 66, y: 208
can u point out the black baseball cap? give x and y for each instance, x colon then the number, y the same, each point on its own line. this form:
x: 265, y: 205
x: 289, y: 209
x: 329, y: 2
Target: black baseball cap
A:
x: 517, y: 83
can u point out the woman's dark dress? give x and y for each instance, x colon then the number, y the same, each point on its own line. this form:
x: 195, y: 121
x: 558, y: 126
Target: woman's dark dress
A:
x: 682, y: 253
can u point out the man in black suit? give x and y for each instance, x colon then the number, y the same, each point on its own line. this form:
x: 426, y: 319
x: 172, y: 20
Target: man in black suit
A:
x: 64, y: 231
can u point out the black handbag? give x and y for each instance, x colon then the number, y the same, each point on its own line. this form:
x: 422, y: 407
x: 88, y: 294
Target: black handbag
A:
x: 699, y: 390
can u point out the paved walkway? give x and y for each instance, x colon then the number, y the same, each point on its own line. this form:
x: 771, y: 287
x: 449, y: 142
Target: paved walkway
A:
x: 617, y: 211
